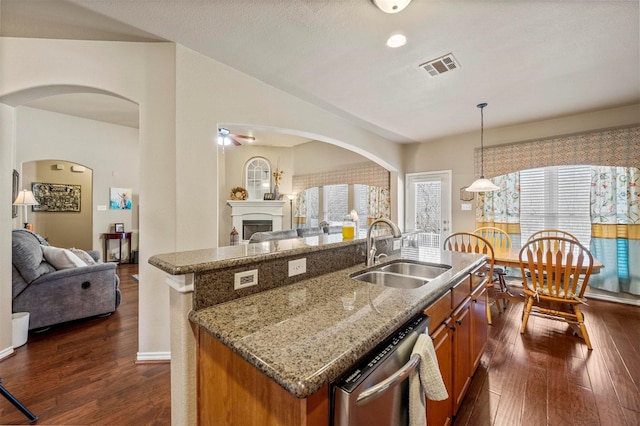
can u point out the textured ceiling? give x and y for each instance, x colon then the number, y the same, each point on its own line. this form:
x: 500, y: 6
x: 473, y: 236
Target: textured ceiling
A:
x: 530, y: 60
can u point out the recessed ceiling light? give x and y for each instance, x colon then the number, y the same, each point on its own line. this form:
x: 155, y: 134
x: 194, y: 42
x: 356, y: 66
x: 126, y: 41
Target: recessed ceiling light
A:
x: 396, y: 40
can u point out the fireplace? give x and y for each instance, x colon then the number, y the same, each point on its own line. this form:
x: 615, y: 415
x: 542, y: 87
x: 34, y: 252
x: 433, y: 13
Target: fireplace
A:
x: 258, y: 213
x: 250, y: 227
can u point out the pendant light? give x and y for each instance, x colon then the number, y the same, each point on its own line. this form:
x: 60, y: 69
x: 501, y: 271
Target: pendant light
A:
x: 482, y: 184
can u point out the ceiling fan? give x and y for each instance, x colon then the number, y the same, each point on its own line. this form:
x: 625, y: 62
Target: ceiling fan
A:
x: 227, y: 138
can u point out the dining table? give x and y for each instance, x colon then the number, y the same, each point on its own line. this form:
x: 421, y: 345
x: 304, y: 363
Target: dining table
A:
x: 510, y: 257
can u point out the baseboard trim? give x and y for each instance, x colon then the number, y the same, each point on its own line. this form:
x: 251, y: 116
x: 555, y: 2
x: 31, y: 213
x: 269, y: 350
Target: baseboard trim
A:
x: 153, y: 357
x: 7, y: 352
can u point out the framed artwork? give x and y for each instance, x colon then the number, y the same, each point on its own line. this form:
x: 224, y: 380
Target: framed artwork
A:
x: 14, y: 192
x: 120, y: 198
x: 268, y: 196
x: 119, y: 227
x: 465, y: 195
x: 56, y: 197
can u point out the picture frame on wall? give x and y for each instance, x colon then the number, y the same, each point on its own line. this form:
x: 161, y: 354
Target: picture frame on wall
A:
x: 119, y: 227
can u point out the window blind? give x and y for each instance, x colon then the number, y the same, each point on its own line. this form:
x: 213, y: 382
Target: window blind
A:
x: 556, y: 198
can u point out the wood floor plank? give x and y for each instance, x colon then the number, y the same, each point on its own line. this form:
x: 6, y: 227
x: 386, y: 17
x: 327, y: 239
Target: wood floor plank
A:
x: 599, y: 387
x: 511, y: 404
x: 83, y: 372
x: 632, y: 417
x: 535, y: 398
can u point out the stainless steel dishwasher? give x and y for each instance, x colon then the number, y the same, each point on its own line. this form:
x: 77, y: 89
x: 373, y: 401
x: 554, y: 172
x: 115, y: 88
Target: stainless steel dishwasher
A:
x: 376, y: 390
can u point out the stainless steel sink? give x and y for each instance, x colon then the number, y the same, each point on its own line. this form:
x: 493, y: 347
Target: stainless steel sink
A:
x: 415, y: 269
x: 402, y: 274
x: 390, y: 279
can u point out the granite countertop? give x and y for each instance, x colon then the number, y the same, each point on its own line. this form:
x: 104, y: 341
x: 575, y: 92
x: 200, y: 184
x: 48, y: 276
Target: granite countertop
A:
x: 194, y: 261
x: 302, y: 337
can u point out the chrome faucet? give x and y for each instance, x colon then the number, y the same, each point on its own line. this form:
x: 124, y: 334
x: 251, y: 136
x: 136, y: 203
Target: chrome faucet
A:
x: 371, y: 247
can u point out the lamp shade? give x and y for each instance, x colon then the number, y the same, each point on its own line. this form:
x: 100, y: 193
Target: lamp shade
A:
x: 25, y: 198
x: 482, y: 185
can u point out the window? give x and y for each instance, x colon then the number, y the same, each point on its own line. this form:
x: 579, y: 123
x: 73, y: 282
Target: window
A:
x: 336, y: 202
x: 258, y: 172
x: 556, y: 198
x: 332, y: 203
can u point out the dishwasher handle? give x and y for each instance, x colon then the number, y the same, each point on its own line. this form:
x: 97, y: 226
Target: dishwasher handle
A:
x: 391, y: 381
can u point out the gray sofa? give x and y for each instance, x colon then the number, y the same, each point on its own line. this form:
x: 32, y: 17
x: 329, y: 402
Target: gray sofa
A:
x: 55, y: 296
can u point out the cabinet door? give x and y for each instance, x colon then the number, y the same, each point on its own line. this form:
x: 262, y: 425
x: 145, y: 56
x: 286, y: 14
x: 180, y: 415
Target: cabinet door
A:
x: 479, y: 325
x: 441, y: 412
x: 461, y: 352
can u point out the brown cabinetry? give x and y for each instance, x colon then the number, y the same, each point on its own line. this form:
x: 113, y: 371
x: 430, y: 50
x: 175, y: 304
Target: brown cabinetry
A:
x: 461, y: 352
x: 479, y: 325
x: 440, y: 412
x: 459, y: 334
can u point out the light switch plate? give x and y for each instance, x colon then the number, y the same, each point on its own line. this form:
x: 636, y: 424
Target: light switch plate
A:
x: 102, y: 208
x: 466, y: 207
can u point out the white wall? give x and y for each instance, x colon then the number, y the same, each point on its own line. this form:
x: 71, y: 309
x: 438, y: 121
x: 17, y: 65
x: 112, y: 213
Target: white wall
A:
x: 111, y: 151
x: 7, y: 155
x: 209, y: 93
x: 182, y: 96
x: 145, y: 74
x: 317, y: 157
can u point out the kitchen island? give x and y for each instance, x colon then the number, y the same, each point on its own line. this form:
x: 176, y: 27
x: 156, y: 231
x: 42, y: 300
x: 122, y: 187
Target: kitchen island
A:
x: 297, y: 334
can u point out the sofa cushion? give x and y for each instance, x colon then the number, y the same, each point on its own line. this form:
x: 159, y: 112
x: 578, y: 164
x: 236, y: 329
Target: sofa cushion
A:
x: 62, y: 258
x: 27, y: 256
x: 84, y: 256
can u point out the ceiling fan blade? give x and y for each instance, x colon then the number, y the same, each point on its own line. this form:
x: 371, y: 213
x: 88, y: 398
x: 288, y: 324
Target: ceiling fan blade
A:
x: 249, y: 138
x: 234, y: 140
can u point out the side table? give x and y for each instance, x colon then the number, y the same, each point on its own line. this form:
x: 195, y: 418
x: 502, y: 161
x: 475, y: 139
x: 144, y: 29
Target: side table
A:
x: 116, y: 236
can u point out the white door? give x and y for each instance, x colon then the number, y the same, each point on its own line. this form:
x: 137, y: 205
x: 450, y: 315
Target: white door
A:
x: 428, y: 209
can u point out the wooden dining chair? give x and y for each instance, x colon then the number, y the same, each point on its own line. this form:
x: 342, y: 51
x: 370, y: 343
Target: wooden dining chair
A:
x: 498, y: 239
x: 559, y: 270
x: 471, y: 243
x: 552, y: 233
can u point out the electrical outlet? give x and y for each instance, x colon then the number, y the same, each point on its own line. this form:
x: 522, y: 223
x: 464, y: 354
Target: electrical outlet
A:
x: 245, y: 279
x: 297, y: 267
x: 396, y: 244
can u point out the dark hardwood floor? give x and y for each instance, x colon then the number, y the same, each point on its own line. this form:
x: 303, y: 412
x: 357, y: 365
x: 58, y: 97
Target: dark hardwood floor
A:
x: 84, y: 373
x: 548, y: 377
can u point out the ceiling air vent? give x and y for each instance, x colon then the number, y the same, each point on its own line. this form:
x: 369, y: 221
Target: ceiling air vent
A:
x: 441, y: 65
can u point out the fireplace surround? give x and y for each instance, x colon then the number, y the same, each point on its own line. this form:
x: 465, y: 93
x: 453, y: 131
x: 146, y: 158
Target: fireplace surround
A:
x: 256, y: 212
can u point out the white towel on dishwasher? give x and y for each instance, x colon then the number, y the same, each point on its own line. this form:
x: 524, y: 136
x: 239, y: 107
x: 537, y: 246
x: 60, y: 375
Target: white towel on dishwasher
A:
x: 425, y: 380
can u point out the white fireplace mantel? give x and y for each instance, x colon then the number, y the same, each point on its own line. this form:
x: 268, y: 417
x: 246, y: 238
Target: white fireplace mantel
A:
x: 256, y: 210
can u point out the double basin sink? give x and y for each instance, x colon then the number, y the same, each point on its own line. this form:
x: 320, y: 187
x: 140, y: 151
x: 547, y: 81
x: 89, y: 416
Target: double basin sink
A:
x: 402, y: 274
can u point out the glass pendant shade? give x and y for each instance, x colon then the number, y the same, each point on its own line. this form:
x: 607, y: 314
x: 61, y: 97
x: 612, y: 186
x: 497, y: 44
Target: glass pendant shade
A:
x: 482, y: 184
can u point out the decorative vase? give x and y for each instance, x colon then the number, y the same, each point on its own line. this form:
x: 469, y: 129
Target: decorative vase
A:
x: 276, y: 192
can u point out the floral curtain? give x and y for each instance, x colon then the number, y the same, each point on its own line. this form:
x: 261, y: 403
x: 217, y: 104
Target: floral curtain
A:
x: 615, y: 228
x: 300, y: 209
x: 501, y: 208
x: 379, y: 203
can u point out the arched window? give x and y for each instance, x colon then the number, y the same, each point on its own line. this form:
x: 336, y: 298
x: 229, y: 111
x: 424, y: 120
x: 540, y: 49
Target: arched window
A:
x: 258, y: 178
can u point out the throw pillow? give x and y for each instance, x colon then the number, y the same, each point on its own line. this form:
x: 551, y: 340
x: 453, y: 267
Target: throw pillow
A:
x: 83, y: 255
x: 27, y: 255
x: 61, y: 258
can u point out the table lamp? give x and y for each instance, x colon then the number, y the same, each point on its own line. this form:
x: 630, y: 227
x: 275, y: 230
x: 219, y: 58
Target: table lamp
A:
x: 25, y: 198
